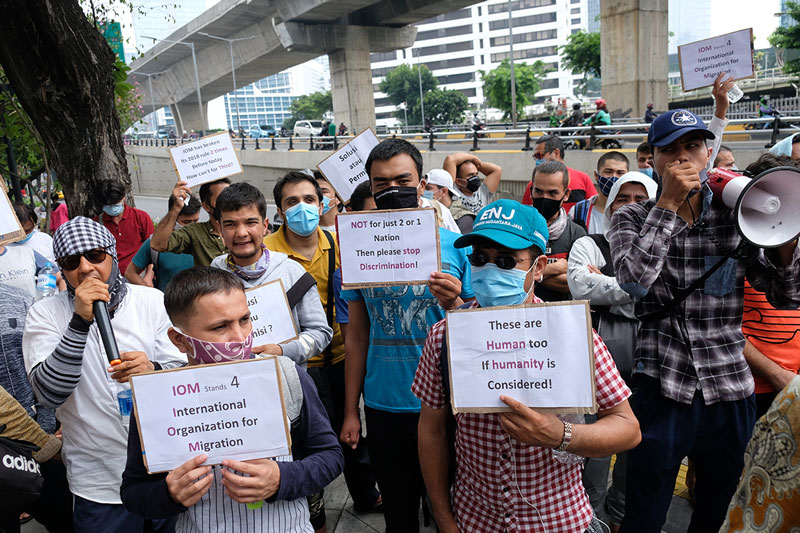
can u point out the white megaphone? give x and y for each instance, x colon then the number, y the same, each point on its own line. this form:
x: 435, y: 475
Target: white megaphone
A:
x: 766, y: 208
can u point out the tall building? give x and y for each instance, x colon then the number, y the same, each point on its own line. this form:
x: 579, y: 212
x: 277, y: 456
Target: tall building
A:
x: 593, y: 9
x: 454, y: 46
x: 689, y: 21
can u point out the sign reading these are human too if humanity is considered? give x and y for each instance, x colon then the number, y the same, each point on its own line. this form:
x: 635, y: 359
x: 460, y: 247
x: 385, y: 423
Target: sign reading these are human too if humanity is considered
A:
x: 388, y: 247
x: 345, y: 168
x: 539, y: 354
x: 702, y: 61
x: 207, y: 159
x: 227, y: 411
x: 273, y: 321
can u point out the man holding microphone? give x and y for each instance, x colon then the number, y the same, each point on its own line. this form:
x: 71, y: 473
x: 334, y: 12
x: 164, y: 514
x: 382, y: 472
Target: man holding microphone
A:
x: 69, y: 369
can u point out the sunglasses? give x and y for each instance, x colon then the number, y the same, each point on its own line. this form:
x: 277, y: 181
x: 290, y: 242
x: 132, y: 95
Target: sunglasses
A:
x: 504, y: 262
x: 540, y: 155
x: 71, y: 262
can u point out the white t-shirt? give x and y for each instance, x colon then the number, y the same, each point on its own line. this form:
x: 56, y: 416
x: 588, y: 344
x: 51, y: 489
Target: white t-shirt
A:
x: 448, y: 222
x: 479, y: 199
x: 95, y: 438
x: 18, y: 268
x: 40, y: 242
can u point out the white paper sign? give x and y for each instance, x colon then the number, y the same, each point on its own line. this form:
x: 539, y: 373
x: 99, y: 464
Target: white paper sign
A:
x: 273, y: 321
x: 10, y: 228
x: 389, y: 247
x: 702, y: 61
x: 207, y: 159
x: 345, y: 169
x: 539, y: 354
x: 227, y: 411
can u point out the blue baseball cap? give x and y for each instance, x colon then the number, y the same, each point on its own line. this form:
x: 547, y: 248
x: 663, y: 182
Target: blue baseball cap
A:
x: 509, y: 224
x: 674, y: 124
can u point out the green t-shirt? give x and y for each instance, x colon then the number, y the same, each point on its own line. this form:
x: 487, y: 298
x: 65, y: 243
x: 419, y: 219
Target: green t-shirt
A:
x: 198, y: 241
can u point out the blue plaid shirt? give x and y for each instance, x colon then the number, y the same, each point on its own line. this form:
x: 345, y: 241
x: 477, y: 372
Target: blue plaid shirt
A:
x: 700, y: 345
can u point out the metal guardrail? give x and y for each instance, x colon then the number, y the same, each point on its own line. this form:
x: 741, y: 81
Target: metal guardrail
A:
x: 485, y: 139
x: 763, y: 78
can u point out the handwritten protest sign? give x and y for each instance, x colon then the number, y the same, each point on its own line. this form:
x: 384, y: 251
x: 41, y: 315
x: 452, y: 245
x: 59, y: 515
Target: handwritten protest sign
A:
x: 273, y: 321
x: 10, y: 228
x: 388, y: 247
x: 702, y: 61
x: 540, y: 354
x: 227, y: 411
x: 345, y: 169
x: 207, y: 159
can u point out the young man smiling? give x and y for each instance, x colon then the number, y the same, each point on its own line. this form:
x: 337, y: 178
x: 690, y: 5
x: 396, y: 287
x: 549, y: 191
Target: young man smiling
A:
x: 242, y: 212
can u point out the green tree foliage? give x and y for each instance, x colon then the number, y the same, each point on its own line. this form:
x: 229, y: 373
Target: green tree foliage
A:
x: 309, y: 107
x: 582, y: 53
x: 444, y: 106
x: 497, y: 85
x: 788, y: 40
x: 401, y: 84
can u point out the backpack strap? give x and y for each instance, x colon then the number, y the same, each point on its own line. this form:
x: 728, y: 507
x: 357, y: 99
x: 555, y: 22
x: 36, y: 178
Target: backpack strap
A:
x: 328, y: 354
x: 299, y: 289
x: 605, y: 248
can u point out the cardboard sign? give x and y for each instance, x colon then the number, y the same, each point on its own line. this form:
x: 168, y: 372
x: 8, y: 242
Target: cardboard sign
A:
x: 539, y: 354
x: 10, y: 228
x: 388, y: 247
x: 273, y: 321
x: 209, y: 158
x: 345, y: 169
x: 702, y: 61
x: 227, y: 411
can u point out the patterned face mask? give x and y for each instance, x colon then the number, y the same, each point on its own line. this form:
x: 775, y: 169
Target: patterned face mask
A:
x: 207, y: 352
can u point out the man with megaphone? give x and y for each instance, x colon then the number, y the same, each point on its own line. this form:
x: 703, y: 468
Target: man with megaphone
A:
x: 683, y: 261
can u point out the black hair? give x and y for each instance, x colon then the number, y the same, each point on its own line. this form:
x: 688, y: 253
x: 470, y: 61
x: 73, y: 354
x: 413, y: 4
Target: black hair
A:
x: 320, y: 176
x: 553, y: 167
x: 796, y: 139
x: 614, y: 155
x: 552, y: 142
x: 25, y: 212
x: 722, y: 148
x: 293, y: 177
x: 360, y: 195
x: 644, y: 148
x: 189, y: 208
x: 768, y: 161
x: 238, y: 196
x: 111, y: 191
x: 205, y: 190
x: 188, y: 285
x: 389, y: 148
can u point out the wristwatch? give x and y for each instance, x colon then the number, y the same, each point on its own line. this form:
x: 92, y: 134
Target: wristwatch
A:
x: 567, y: 437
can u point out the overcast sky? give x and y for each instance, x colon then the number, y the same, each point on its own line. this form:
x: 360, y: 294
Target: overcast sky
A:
x: 732, y: 15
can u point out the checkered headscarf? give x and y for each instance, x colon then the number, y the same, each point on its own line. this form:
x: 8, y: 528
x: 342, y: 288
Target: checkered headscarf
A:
x: 80, y: 234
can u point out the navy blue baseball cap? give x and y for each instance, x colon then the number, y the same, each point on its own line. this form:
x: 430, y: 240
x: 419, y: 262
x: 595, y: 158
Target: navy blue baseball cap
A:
x: 674, y: 124
x: 510, y: 224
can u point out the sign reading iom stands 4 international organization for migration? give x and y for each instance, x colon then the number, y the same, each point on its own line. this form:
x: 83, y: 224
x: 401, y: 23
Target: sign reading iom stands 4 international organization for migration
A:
x: 539, y: 354
x: 227, y: 411
x: 702, y: 61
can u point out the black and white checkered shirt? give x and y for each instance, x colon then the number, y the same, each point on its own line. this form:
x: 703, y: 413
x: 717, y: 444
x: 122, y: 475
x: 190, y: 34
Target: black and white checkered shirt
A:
x: 700, y: 346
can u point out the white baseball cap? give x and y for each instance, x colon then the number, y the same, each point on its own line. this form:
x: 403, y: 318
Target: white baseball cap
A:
x: 442, y: 178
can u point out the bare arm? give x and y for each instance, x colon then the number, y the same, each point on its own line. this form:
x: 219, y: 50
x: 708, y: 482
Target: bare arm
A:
x: 433, y: 460
x: 355, y: 368
x: 763, y: 367
x: 452, y: 161
x: 492, y: 172
x: 160, y: 238
x: 134, y: 275
x: 555, y: 276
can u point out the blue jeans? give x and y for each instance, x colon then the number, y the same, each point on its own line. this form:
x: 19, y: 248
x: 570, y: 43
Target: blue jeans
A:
x: 91, y: 517
x: 714, y: 436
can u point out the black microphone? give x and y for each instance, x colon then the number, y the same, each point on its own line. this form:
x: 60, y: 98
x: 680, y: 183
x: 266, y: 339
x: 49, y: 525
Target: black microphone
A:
x: 103, y: 319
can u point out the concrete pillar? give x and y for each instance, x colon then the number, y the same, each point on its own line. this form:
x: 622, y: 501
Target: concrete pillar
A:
x: 634, y: 40
x: 351, y: 81
x: 187, y: 116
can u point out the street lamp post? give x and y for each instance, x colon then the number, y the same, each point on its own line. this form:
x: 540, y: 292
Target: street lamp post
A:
x: 196, y: 77
x: 511, y: 58
x: 233, y: 70
x: 421, y: 103
x: 150, y: 86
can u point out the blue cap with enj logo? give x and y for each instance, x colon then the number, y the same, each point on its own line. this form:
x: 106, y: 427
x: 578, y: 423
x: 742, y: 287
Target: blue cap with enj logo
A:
x: 509, y: 224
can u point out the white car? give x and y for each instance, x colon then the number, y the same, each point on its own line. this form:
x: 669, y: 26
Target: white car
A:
x: 304, y: 128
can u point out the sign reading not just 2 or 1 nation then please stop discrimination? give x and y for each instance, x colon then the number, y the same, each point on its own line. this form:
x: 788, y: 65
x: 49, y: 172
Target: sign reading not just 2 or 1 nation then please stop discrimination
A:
x: 230, y: 410
x: 388, y: 247
x: 539, y: 354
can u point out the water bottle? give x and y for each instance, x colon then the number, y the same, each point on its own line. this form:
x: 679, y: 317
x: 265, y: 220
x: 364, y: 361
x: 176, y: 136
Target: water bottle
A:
x: 735, y: 94
x: 124, y: 402
x: 566, y: 457
x: 46, y: 281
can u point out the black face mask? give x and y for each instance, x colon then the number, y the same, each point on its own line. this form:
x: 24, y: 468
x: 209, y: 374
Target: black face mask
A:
x: 396, y: 198
x: 547, y: 207
x: 474, y: 183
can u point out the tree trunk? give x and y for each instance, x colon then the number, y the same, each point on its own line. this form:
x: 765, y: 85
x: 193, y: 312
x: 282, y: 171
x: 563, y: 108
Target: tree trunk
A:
x: 61, y: 69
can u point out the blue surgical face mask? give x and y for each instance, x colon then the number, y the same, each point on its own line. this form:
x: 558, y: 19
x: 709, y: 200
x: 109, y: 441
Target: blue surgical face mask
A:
x: 428, y: 195
x: 605, y: 183
x: 647, y: 172
x: 539, y: 161
x: 302, y: 218
x: 113, y: 210
x: 326, y: 205
x: 494, y: 286
x: 27, y: 238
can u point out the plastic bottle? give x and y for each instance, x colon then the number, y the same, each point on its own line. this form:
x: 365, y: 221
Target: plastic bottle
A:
x: 124, y: 402
x: 46, y: 281
x: 565, y: 456
x: 735, y: 94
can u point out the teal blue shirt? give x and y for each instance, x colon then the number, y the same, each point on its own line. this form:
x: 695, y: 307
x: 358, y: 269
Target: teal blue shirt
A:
x: 399, y: 319
x: 168, y: 263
